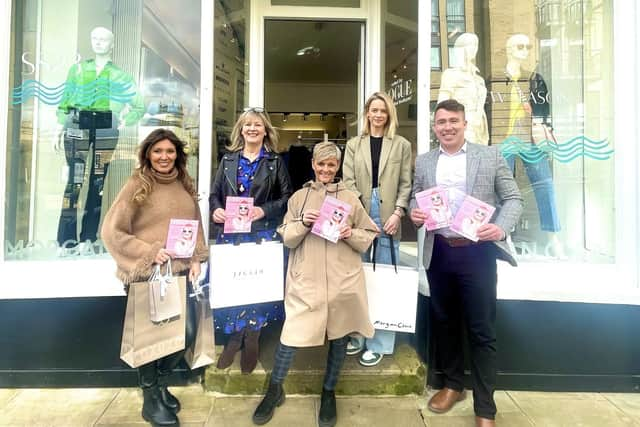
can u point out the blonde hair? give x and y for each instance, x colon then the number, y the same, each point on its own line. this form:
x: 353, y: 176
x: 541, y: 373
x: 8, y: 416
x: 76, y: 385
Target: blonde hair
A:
x: 270, y: 141
x: 326, y: 150
x: 392, y: 120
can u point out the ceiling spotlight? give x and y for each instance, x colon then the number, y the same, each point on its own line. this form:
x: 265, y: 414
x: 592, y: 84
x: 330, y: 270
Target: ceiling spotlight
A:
x: 285, y: 116
x: 305, y: 116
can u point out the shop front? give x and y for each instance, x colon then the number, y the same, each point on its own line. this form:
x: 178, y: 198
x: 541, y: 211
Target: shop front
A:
x: 546, y: 80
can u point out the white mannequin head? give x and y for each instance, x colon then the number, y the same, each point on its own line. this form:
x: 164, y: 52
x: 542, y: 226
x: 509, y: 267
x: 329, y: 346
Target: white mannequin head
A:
x: 468, y: 43
x: 465, y: 49
x: 518, y: 47
x: 101, y: 41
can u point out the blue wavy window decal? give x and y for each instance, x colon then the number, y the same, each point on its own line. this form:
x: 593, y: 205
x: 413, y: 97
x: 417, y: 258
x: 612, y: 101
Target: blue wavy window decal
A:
x: 579, y: 146
x: 84, y: 94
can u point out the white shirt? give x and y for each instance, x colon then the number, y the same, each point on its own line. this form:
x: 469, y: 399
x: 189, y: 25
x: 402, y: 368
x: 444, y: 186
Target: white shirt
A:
x: 451, y: 173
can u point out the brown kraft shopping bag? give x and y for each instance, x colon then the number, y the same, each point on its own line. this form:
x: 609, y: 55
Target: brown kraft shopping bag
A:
x: 144, y: 340
x: 203, y: 351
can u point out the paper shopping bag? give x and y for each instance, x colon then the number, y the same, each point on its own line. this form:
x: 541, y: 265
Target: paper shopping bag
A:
x: 202, y: 352
x: 248, y: 273
x: 392, y: 295
x: 164, y: 295
x: 144, y: 340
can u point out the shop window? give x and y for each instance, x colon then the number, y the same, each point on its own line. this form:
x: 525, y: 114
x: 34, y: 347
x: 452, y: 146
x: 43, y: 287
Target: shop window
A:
x: 539, y: 86
x: 82, y: 99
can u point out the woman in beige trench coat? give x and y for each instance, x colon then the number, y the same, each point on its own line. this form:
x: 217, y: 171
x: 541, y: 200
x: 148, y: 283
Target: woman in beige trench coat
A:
x: 325, y: 291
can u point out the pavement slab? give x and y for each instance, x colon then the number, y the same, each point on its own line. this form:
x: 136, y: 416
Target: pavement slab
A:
x: 237, y: 412
x: 571, y: 409
x: 56, y: 407
x: 629, y: 403
x: 6, y: 394
x: 389, y: 411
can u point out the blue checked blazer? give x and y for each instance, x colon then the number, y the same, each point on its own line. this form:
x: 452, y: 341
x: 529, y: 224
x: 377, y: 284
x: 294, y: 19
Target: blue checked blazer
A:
x: 488, y: 179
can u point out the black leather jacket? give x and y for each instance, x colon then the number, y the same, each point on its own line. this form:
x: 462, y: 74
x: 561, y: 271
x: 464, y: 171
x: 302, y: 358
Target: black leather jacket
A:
x: 271, y: 189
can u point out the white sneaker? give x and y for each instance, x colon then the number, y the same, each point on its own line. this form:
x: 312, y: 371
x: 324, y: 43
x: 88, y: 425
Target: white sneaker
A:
x: 369, y: 358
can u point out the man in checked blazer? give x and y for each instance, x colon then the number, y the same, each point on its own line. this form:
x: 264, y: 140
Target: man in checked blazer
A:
x: 462, y: 274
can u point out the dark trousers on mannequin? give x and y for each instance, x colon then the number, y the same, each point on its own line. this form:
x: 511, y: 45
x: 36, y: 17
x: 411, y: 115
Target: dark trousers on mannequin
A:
x: 462, y: 282
x: 157, y: 371
x: 80, y: 154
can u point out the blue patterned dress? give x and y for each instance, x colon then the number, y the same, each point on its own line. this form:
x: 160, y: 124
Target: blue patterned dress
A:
x: 254, y: 316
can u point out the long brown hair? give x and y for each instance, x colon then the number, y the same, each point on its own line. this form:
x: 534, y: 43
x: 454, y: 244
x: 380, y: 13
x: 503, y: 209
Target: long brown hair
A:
x: 144, y: 171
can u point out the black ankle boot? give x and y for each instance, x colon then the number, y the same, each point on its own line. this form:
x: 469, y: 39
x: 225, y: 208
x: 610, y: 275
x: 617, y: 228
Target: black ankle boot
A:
x: 328, y: 415
x: 266, y: 408
x: 169, y: 400
x: 154, y: 411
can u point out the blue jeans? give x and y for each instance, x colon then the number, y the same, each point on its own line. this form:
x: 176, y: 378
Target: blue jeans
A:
x: 382, y: 342
x: 539, y: 174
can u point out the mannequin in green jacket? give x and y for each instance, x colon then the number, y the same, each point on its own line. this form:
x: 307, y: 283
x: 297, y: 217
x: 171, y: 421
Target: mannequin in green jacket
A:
x: 99, y: 85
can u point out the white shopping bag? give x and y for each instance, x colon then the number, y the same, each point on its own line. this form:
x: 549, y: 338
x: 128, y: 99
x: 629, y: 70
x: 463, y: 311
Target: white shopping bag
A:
x: 393, y: 296
x: 248, y: 273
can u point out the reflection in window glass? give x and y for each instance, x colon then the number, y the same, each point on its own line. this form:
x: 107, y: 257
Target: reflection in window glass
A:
x: 455, y: 27
x: 231, y: 72
x: 401, y: 77
x: 436, y: 64
x: 539, y: 88
x: 82, y: 100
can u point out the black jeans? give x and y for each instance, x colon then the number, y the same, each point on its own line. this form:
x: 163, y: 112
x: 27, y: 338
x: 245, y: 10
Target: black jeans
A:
x: 462, y: 282
x: 148, y: 375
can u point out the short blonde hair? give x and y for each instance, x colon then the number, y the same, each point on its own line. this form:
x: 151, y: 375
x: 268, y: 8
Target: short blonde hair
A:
x: 326, y: 150
x: 392, y: 121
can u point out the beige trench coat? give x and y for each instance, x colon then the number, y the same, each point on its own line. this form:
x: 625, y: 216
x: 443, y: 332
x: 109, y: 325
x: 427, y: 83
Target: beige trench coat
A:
x: 325, y: 292
x: 394, y: 174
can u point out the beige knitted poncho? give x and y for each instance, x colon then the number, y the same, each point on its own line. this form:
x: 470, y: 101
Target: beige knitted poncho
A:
x: 133, y: 232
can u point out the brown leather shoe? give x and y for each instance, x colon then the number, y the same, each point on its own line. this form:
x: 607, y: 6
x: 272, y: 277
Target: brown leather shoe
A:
x: 485, y: 422
x: 444, y: 400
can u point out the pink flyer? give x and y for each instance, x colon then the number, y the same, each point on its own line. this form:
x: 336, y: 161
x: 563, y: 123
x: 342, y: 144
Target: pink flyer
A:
x: 182, y: 237
x: 472, y: 214
x: 238, y: 214
x: 435, y: 203
x: 333, y: 214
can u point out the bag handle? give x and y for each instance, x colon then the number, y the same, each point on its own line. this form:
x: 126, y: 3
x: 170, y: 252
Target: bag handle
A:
x: 393, y: 253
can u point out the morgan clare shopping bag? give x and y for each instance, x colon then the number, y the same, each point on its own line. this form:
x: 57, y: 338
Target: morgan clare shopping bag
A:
x: 144, y: 340
x: 393, y: 296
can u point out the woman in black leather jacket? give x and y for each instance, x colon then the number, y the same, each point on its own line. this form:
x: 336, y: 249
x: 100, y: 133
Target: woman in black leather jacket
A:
x: 252, y: 168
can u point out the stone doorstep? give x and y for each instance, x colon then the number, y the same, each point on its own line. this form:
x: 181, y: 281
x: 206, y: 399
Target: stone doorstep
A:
x: 399, y: 374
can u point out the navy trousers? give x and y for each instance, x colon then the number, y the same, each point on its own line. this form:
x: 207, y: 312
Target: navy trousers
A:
x: 462, y: 281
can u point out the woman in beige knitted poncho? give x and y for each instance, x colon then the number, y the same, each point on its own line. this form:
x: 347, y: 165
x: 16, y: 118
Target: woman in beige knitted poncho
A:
x: 135, y: 232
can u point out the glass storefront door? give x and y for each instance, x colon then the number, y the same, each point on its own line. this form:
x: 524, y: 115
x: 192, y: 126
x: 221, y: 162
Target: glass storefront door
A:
x: 312, y: 77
